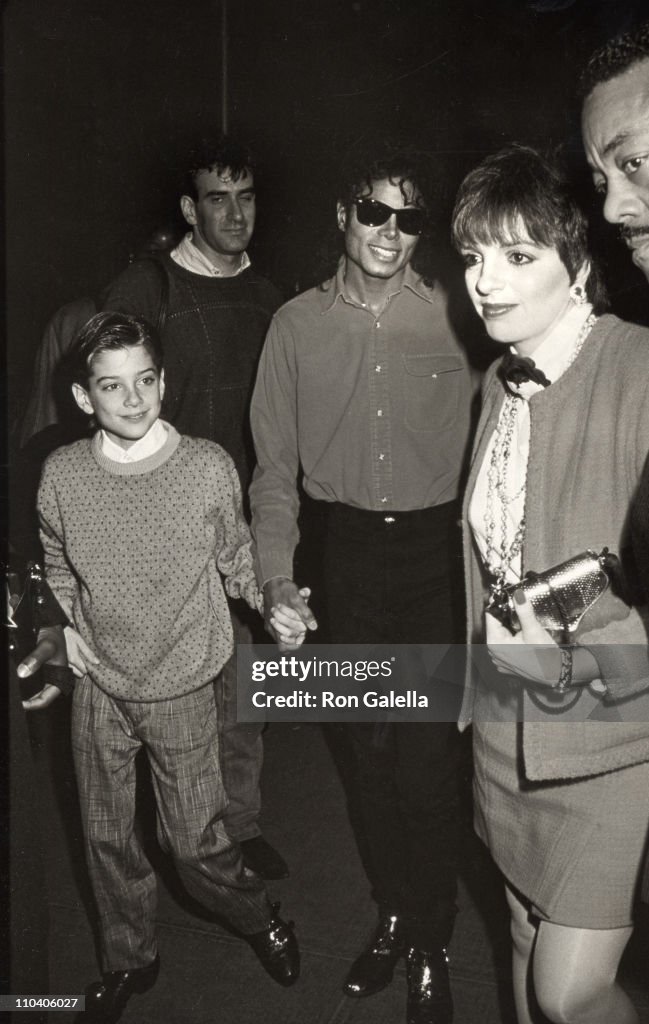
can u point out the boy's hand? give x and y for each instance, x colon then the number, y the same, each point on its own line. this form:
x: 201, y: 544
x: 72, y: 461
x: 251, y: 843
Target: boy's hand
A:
x: 287, y: 624
x: 281, y: 591
x: 80, y: 657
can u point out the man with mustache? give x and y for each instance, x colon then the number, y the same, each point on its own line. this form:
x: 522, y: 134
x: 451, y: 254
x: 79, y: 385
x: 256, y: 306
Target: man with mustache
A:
x: 615, y: 128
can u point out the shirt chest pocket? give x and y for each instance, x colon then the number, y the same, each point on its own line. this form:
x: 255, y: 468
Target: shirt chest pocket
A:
x: 432, y: 388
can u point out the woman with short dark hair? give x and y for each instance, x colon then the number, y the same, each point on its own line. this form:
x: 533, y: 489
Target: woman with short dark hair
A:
x: 561, y: 732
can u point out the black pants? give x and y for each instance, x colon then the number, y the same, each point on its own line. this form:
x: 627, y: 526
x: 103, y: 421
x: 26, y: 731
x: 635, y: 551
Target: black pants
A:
x: 393, y: 578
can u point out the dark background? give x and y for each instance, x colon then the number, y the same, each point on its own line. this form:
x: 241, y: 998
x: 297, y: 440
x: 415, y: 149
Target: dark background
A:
x: 104, y: 96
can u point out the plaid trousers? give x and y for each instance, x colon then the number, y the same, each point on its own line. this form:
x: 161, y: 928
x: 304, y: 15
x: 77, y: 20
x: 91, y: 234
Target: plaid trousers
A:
x: 241, y: 748
x: 180, y: 737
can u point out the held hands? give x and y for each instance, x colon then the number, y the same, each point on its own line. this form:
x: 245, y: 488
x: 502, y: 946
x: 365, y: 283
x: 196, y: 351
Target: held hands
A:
x: 50, y: 649
x: 531, y: 654
x: 286, y: 613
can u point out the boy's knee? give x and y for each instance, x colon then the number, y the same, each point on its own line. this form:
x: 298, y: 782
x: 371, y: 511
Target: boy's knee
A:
x: 523, y: 935
x: 567, y: 1004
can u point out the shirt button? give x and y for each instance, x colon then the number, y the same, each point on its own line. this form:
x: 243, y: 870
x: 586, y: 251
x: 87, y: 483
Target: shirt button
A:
x: 381, y: 457
x: 379, y: 412
x: 377, y: 325
x: 378, y: 368
x: 434, y: 375
x: 383, y: 500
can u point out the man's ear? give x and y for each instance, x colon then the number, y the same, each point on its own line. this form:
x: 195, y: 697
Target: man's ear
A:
x: 82, y: 400
x: 341, y: 213
x: 188, y: 209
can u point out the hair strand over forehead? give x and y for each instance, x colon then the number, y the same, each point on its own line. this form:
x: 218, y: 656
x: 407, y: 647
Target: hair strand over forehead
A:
x: 108, y: 332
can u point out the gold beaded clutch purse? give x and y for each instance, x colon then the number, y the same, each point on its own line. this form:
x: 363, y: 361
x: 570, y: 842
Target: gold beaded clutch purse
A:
x: 560, y: 596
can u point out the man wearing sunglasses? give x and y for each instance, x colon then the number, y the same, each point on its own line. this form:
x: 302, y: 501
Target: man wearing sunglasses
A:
x: 362, y: 397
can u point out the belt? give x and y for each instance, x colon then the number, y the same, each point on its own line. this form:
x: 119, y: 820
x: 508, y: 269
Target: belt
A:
x: 342, y: 512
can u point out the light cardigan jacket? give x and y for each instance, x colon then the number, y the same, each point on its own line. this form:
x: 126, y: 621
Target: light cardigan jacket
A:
x: 589, y: 442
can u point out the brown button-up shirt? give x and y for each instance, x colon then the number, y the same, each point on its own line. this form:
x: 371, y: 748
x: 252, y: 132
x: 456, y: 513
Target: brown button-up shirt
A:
x: 374, y: 411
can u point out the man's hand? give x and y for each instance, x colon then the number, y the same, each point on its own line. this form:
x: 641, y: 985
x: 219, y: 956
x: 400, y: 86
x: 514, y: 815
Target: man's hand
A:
x: 50, y: 649
x: 283, y: 592
x: 288, y: 625
x: 80, y: 657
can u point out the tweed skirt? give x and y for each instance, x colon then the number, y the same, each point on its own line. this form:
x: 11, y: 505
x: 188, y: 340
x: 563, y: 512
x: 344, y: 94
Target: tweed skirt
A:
x: 573, y: 848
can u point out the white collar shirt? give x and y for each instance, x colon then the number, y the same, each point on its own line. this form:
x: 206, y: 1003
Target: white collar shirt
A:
x: 152, y: 441
x: 189, y: 257
x: 553, y: 357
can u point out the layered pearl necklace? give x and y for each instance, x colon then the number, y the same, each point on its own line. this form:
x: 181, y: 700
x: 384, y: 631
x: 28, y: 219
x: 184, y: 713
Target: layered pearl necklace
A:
x: 500, y: 552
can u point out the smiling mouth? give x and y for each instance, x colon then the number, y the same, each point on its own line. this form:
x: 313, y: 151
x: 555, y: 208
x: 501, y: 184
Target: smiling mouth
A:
x: 384, y: 254
x: 638, y: 241
x: 491, y: 311
x: 134, y: 417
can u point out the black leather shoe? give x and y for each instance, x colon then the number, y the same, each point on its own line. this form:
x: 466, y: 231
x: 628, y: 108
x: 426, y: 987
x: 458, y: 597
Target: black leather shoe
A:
x: 374, y: 968
x: 429, y: 991
x: 106, y: 999
x: 261, y: 857
x: 278, y: 950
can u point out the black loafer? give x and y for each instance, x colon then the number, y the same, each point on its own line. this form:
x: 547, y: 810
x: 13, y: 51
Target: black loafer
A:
x: 278, y: 950
x: 374, y: 968
x: 262, y: 858
x: 429, y: 990
x: 106, y: 999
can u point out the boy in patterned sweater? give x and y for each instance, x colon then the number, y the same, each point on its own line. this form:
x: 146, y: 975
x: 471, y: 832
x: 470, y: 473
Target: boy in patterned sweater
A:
x: 138, y: 524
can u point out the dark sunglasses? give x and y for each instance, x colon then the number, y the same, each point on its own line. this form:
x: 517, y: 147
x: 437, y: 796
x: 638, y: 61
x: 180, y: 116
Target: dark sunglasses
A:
x: 371, y: 213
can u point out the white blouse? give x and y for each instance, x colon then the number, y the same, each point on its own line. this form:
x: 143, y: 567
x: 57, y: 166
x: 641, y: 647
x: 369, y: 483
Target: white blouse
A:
x: 553, y: 356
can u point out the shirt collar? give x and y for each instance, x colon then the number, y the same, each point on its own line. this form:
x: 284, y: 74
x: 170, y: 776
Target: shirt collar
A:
x: 153, y: 441
x: 188, y: 256
x: 556, y: 352
x: 335, y: 287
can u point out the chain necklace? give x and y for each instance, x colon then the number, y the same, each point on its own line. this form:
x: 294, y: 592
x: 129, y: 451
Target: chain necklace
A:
x: 499, y: 552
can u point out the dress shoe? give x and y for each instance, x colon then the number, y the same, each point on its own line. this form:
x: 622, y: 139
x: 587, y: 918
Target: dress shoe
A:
x: 262, y: 858
x: 429, y: 991
x: 106, y: 999
x: 374, y: 968
x: 278, y: 950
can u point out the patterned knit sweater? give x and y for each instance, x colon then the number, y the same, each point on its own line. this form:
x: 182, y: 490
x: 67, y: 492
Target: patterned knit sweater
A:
x: 133, y: 553
x: 213, y: 334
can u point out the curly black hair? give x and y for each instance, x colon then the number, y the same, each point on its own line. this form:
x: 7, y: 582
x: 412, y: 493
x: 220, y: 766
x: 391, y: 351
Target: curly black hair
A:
x: 615, y: 57
x: 377, y: 158
x: 220, y: 154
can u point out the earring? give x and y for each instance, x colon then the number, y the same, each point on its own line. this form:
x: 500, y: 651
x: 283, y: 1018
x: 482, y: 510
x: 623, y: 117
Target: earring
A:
x: 578, y: 295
